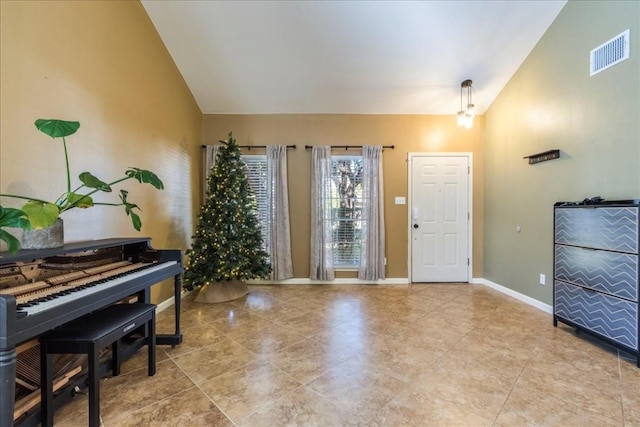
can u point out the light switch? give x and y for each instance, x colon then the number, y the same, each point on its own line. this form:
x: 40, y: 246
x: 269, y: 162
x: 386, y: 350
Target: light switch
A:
x: 400, y: 200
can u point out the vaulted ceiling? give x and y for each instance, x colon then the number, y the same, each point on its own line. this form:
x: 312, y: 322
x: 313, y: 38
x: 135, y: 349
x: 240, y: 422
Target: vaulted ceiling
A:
x: 369, y: 57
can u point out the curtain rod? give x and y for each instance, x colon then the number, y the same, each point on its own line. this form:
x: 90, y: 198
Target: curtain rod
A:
x: 249, y: 147
x: 346, y: 147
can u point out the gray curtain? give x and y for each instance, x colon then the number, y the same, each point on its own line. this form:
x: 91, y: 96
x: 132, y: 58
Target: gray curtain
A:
x: 278, y: 199
x: 209, y: 159
x: 321, y: 256
x: 372, y: 249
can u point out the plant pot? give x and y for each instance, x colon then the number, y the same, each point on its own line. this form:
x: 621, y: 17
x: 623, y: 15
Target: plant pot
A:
x: 44, y: 238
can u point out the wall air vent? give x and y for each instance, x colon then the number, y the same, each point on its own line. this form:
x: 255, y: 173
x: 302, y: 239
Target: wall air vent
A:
x: 610, y: 53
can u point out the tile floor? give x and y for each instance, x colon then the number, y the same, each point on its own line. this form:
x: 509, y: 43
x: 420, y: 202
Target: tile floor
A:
x: 328, y: 355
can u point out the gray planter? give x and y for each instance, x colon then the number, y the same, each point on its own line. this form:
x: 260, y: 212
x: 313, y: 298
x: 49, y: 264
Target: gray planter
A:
x: 44, y: 238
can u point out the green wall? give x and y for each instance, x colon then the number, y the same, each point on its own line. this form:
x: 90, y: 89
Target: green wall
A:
x: 552, y: 102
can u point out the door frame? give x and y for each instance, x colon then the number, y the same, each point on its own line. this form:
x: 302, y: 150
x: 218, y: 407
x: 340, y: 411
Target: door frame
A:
x: 469, y: 156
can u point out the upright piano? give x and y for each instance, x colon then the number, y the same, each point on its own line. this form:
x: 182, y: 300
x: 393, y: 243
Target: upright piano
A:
x: 46, y: 288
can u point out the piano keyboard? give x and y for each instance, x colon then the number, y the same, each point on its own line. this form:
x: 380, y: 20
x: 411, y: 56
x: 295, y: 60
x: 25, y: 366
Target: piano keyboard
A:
x: 33, y: 301
x: 45, y: 299
x: 64, y: 278
x: 66, y: 282
x: 31, y: 288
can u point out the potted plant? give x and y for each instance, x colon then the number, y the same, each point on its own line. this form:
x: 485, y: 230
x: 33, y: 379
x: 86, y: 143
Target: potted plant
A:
x: 39, y: 214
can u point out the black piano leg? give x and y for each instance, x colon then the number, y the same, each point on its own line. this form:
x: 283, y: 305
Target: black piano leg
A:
x: 175, y: 339
x: 177, y: 305
x: 7, y: 385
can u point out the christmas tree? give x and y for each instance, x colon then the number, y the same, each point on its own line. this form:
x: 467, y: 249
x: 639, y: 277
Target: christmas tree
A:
x: 228, y: 244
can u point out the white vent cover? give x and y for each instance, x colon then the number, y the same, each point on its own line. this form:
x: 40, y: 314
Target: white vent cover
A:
x: 610, y: 53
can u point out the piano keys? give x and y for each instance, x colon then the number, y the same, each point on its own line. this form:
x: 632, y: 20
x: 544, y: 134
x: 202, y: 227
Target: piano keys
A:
x: 43, y: 289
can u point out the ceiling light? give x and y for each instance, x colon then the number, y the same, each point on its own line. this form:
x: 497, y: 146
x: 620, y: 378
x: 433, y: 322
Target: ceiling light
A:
x: 466, y: 114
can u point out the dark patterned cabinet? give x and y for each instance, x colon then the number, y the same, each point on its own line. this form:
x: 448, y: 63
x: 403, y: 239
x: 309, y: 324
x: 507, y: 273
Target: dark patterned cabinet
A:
x: 595, y: 286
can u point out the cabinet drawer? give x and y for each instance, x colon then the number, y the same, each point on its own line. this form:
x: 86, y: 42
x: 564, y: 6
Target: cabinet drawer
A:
x: 611, y: 228
x: 611, y: 272
x: 612, y: 317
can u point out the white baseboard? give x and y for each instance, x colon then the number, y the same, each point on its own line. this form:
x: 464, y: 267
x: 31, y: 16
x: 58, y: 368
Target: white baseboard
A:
x: 340, y: 281
x: 391, y: 281
x: 517, y: 295
x: 169, y: 302
x: 165, y: 304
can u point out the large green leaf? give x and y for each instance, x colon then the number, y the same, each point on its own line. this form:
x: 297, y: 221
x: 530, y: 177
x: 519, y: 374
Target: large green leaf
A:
x: 12, y: 243
x: 128, y: 208
x: 136, y: 221
x: 145, y: 176
x: 41, y: 215
x: 57, y: 128
x: 79, y: 200
x: 92, y: 182
x: 10, y: 217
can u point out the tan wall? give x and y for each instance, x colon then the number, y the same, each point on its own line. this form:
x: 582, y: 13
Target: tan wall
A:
x: 101, y: 63
x: 551, y: 102
x: 408, y: 133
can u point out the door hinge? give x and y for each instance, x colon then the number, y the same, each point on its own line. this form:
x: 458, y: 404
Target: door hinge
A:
x: 468, y: 215
x: 468, y: 261
x: 468, y: 170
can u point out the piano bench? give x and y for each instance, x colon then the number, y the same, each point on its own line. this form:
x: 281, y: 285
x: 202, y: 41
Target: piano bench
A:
x: 88, y: 335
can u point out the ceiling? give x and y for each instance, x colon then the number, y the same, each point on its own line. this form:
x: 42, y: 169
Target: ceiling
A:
x: 366, y: 57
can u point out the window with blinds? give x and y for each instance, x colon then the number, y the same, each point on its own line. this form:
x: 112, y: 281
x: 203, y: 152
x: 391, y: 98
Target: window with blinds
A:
x: 256, y: 171
x: 346, y: 201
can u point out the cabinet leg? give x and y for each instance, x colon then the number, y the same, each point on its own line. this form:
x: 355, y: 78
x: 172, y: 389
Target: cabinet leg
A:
x: 8, y: 359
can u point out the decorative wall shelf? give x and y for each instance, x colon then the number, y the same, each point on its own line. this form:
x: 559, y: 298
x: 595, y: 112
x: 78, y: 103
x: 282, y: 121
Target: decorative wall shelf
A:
x: 543, y: 157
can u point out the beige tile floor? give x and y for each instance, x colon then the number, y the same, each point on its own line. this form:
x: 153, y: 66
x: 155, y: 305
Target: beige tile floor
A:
x: 329, y: 355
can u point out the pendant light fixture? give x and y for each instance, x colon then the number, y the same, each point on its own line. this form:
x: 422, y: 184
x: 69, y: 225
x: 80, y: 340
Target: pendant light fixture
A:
x: 466, y: 114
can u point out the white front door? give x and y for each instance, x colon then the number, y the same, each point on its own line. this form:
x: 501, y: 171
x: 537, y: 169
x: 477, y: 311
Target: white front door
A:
x: 439, y: 217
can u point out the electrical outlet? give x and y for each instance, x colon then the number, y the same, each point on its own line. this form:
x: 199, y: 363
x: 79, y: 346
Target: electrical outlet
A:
x: 543, y: 279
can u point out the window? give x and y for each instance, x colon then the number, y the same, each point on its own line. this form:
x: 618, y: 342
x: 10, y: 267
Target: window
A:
x: 257, y: 176
x: 346, y: 210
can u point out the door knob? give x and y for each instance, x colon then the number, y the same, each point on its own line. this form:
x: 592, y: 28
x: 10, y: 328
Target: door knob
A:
x: 415, y: 226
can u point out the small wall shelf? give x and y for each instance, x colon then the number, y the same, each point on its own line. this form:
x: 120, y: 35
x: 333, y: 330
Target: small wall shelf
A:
x: 543, y: 157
